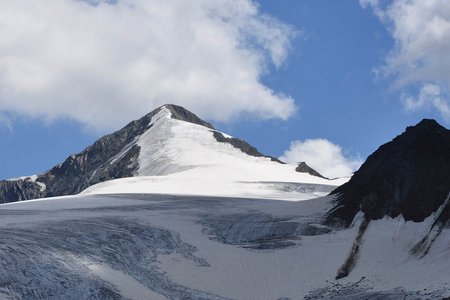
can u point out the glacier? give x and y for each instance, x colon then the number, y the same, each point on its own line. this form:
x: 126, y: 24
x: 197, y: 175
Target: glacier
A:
x: 137, y: 246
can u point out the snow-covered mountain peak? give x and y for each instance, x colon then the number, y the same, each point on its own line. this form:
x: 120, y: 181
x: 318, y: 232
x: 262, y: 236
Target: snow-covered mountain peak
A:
x: 172, y: 111
x: 180, y: 155
x: 164, y: 113
x: 172, y: 151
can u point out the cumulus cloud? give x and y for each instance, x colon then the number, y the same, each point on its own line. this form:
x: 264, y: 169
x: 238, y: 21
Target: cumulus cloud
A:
x: 421, y: 31
x: 322, y: 155
x: 103, y: 62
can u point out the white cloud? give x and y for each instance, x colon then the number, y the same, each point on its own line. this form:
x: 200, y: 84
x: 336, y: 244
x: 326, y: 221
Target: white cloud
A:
x: 103, y: 64
x: 430, y: 95
x: 421, y: 31
x: 323, y: 156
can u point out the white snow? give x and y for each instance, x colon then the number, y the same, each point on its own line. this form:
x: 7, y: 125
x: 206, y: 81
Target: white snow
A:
x: 178, y: 157
x: 385, y: 256
x: 41, y: 185
x: 196, y: 183
x: 32, y: 178
x: 182, y: 158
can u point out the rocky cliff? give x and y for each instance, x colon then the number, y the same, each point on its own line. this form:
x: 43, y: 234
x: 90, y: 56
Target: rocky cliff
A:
x: 409, y: 176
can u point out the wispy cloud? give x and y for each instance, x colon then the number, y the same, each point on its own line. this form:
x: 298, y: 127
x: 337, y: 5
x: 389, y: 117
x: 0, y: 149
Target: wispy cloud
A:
x: 322, y: 155
x: 5, y: 122
x: 421, y: 31
x: 103, y: 63
x: 430, y: 96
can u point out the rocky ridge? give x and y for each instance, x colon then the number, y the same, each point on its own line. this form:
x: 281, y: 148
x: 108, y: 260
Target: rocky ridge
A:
x: 113, y: 156
x: 99, y: 162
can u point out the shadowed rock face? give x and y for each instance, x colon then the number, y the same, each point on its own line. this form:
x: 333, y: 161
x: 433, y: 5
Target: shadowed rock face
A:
x: 304, y: 168
x: 182, y: 114
x: 112, y: 156
x: 409, y: 176
x: 97, y: 163
x: 241, y: 145
x: 19, y: 190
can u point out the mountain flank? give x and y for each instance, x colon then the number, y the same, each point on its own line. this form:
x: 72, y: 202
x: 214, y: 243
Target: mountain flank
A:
x: 408, y: 176
x: 112, y: 156
x: 120, y: 155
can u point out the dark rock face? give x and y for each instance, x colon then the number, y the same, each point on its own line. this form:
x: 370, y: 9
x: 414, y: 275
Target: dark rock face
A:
x: 304, y: 168
x: 183, y: 114
x: 241, y: 145
x: 11, y: 191
x: 409, y: 176
x: 441, y: 221
x: 97, y: 163
x: 350, y: 262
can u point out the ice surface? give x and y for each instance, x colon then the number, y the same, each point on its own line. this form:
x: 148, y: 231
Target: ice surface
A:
x: 191, y: 247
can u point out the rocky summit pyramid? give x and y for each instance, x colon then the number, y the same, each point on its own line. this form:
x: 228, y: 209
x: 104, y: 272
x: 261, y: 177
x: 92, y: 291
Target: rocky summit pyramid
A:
x: 169, y: 140
x: 409, y: 176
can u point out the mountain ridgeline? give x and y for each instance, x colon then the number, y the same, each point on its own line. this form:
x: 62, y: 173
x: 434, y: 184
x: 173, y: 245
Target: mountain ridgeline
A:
x: 79, y: 171
x: 111, y: 157
x: 409, y: 176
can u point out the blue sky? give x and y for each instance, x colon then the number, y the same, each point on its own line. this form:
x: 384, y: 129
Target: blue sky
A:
x: 341, y: 76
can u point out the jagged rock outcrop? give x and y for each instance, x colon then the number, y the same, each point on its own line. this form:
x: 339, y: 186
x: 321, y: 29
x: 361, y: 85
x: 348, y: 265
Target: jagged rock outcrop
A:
x: 241, y: 145
x: 409, y: 176
x: 304, y: 168
x: 182, y: 114
x: 21, y: 189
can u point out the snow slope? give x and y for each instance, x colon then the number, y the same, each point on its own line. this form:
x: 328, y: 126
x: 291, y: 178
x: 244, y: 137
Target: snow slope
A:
x: 190, y: 247
x: 178, y: 157
x: 171, y: 151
